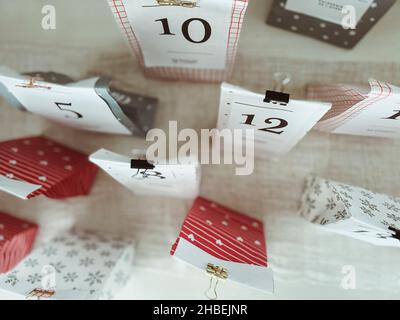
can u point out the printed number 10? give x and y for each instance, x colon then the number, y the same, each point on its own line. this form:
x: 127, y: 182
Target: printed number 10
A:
x: 185, y: 29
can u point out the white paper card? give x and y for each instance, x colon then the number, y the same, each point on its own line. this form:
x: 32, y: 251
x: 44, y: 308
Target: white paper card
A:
x: 278, y: 128
x: 20, y: 189
x: 169, y: 180
x: 174, y: 36
x: 76, y: 105
x: 378, y: 115
x: 352, y: 211
x: 328, y: 10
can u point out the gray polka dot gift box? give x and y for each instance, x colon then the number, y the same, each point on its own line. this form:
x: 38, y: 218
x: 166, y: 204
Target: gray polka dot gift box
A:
x: 76, y: 265
x: 339, y: 22
x: 352, y: 211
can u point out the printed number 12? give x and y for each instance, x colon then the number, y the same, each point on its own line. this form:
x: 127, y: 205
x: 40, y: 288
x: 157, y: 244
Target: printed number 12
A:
x: 281, y: 123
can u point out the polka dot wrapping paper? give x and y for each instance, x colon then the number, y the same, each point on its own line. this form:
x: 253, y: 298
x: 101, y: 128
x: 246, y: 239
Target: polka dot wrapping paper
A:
x: 324, y: 30
x: 36, y: 165
x: 16, y: 240
x: 215, y: 234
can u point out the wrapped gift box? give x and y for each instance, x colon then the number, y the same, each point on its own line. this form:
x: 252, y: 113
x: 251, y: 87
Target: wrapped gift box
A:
x: 16, y: 240
x: 37, y: 165
x: 75, y: 265
x: 213, y: 234
x: 352, y: 211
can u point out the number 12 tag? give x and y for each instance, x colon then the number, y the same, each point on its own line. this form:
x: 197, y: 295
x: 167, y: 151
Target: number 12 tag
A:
x: 277, y: 127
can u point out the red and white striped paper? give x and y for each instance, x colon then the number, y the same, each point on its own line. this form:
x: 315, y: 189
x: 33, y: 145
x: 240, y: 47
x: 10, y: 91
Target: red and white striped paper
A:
x: 170, y: 73
x: 224, y: 233
x: 59, y: 170
x: 16, y: 240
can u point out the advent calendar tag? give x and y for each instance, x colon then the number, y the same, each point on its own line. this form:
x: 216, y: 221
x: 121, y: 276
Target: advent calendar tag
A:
x: 340, y: 22
x: 352, y: 211
x: 148, y: 178
x: 76, y: 265
x: 214, y: 235
x: 16, y: 240
x: 182, y: 39
x: 357, y: 112
x: 36, y: 165
x: 279, y: 122
x: 88, y: 104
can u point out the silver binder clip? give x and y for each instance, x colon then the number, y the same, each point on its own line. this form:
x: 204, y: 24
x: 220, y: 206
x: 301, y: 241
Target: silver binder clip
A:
x: 179, y: 3
x: 31, y: 84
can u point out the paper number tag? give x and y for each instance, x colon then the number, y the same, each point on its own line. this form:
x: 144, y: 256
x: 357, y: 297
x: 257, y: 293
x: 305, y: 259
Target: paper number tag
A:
x: 278, y: 128
x: 169, y: 180
x: 177, y: 42
x: 376, y: 114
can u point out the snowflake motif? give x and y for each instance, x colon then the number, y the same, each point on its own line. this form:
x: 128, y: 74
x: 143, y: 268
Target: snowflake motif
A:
x: 345, y: 187
x: 330, y: 203
x: 341, y: 215
x: 49, y: 251
x: 121, y: 278
x: 12, y: 278
x: 346, y: 195
x: 91, y: 246
x: 370, y: 205
x: 395, y: 200
x: 72, y: 253
x: 33, y: 278
x: 391, y: 207
x: 310, y: 204
x: 367, y: 211
x: 31, y: 263
x: 70, y: 277
x: 317, y: 189
x: 58, y: 266
x: 367, y: 195
x: 393, y: 217
x: 93, y: 278
x: 86, y: 262
x: 105, y: 253
x: 109, y: 264
x: 324, y: 221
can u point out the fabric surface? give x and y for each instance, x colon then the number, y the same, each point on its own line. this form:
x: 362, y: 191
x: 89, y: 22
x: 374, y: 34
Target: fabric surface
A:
x: 307, y: 262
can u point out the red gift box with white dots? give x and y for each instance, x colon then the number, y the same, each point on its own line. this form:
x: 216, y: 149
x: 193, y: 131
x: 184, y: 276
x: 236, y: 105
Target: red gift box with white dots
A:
x: 16, y: 240
x: 223, y: 233
x: 61, y: 171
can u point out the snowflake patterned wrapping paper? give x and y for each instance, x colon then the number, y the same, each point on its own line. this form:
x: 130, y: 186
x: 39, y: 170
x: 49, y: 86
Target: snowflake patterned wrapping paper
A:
x: 359, y: 110
x: 86, y: 265
x: 352, y: 211
x: 36, y: 165
x: 214, y: 234
x: 16, y: 240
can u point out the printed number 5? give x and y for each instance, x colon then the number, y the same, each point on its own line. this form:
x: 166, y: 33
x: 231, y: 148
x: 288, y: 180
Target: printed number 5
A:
x: 68, y: 113
x: 281, y: 123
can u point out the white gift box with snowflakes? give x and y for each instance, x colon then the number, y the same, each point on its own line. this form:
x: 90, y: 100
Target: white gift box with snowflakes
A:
x: 76, y: 265
x: 352, y: 211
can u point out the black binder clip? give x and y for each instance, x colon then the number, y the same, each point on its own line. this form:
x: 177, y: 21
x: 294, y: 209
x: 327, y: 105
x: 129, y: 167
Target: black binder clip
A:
x: 276, y: 96
x: 141, y: 165
x: 396, y: 234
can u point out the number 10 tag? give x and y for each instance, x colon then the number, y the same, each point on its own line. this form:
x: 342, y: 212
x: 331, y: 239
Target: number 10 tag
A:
x: 175, y: 40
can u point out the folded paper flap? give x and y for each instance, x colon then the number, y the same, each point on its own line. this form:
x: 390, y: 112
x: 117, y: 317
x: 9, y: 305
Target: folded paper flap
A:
x: 20, y: 189
x: 259, y: 277
x: 104, y: 155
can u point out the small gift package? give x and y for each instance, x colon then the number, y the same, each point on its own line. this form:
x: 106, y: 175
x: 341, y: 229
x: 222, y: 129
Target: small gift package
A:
x: 36, y: 165
x: 76, y: 265
x: 93, y: 104
x: 224, y: 244
x: 16, y: 240
x: 359, y: 110
x: 182, y: 39
x: 161, y: 178
x: 352, y: 211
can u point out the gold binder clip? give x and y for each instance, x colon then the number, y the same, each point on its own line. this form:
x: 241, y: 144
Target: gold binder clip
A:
x: 40, y: 293
x: 32, y: 84
x: 179, y: 3
x: 216, y: 273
